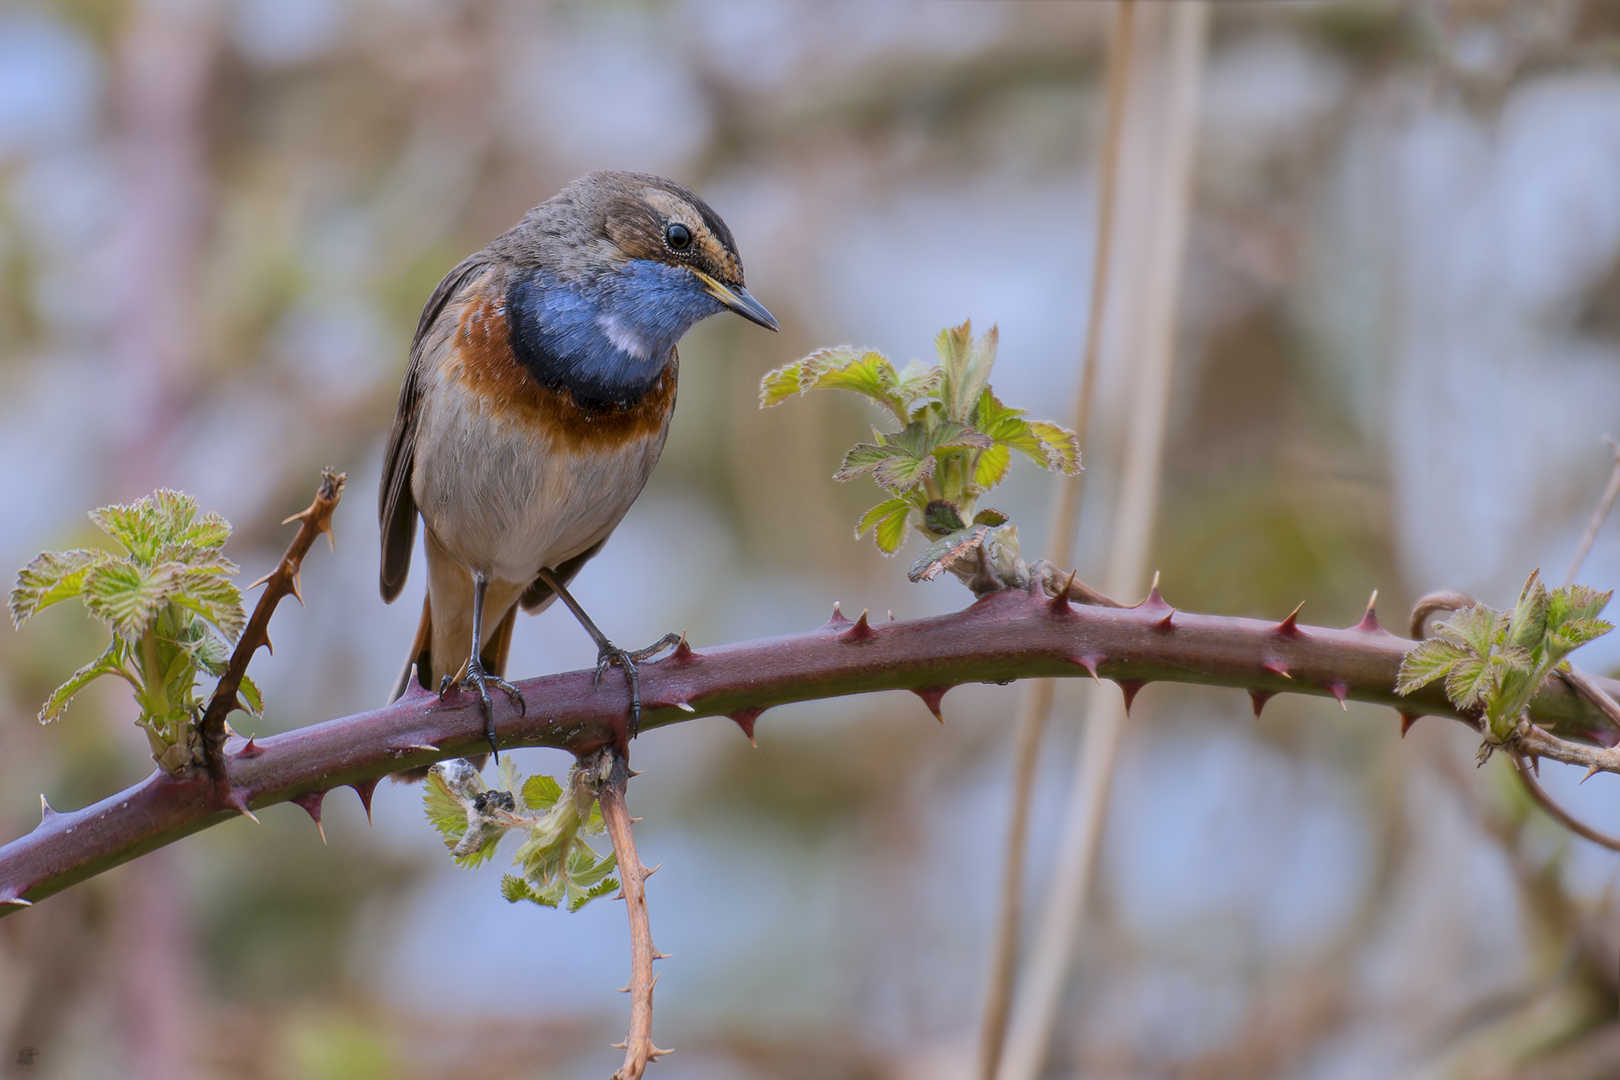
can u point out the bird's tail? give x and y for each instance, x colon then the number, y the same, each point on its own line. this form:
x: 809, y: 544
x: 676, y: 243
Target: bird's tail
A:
x: 494, y: 657
x: 420, y: 662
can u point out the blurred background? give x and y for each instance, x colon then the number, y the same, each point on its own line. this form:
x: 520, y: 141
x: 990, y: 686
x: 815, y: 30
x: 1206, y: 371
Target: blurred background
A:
x: 1397, y: 351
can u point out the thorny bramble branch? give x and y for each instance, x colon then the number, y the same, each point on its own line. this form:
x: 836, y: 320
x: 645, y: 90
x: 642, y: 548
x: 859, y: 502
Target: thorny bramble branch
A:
x: 280, y: 582
x: 1004, y: 636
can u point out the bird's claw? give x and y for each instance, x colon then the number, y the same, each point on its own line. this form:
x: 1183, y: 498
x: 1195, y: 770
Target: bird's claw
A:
x: 610, y: 655
x: 480, y: 680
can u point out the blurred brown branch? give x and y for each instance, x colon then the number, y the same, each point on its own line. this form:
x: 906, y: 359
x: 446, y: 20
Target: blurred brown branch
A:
x: 638, y: 1045
x: 1005, y: 636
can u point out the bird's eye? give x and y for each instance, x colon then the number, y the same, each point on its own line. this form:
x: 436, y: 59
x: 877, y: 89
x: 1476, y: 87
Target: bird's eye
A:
x: 678, y: 236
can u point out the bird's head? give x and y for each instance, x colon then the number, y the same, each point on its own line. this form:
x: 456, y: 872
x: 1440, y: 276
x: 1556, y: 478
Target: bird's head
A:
x: 606, y: 276
x: 649, y: 217
x: 618, y: 220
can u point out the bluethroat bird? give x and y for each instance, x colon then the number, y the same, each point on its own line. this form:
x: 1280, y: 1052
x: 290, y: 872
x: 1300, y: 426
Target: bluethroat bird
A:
x: 538, y: 398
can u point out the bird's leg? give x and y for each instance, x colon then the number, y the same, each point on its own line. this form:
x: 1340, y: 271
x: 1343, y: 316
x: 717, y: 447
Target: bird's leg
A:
x: 477, y: 677
x: 608, y: 654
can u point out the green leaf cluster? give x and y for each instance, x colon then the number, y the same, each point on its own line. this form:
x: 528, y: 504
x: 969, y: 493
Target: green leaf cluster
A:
x: 169, y: 601
x: 954, y: 441
x: 555, y: 864
x: 1493, y: 662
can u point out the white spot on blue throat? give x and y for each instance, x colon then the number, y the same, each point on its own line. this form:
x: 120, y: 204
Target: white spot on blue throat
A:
x: 624, y: 338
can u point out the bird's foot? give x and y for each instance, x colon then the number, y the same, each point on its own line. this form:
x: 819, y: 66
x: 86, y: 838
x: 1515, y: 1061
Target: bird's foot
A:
x: 610, y: 655
x: 480, y: 680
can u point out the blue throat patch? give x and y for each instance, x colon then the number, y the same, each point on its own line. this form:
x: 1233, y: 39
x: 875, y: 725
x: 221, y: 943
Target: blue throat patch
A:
x: 607, y: 339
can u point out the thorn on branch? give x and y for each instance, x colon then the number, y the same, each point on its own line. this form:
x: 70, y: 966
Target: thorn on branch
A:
x: 1089, y: 661
x: 1340, y: 690
x: 1369, y: 621
x: 1259, y: 698
x: 1407, y: 720
x: 1166, y: 624
x: 45, y: 811
x: 251, y: 749
x: 1276, y: 667
x: 1289, y: 627
x: 1059, y: 604
x: 744, y: 719
x: 932, y: 696
x: 1153, y: 599
x: 365, y: 789
x: 1131, y: 688
x: 311, y: 802
x: 837, y: 618
x: 861, y: 631
x: 683, y: 653
x: 237, y: 800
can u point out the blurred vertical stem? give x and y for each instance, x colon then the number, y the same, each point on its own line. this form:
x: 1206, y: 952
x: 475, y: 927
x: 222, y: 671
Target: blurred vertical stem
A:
x: 165, y: 60
x: 1605, y: 504
x: 1036, y: 701
x: 1161, y: 163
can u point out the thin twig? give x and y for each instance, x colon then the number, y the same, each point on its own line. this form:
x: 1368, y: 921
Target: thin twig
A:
x: 638, y: 1045
x: 1431, y: 605
x: 280, y: 582
x: 1534, y: 742
x: 1037, y: 699
x: 1527, y: 776
x: 1589, y: 688
x: 1543, y: 743
x: 1605, y: 504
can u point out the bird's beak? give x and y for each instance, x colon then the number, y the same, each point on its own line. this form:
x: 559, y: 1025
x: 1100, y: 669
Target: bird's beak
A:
x: 737, y: 299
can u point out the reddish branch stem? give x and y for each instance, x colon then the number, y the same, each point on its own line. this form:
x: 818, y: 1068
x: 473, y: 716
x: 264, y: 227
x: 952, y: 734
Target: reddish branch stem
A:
x: 280, y: 582
x: 1005, y: 636
x: 638, y: 1045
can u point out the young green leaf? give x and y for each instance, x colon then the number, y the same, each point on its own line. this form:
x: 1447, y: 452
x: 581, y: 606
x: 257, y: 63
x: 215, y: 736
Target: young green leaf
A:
x: 1428, y: 661
x: 918, y: 380
x: 1469, y: 680
x: 514, y: 889
x: 602, y: 888
x: 208, y: 592
x: 941, y: 517
x: 1528, y: 623
x: 889, y: 519
x: 129, y: 597
x: 903, y: 473
x: 966, y: 366
x: 863, y: 458
x: 779, y: 385
x: 108, y: 663
x: 445, y: 810
x: 992, y: 466
x: 541, y: 792
x: 51, y: 576
x: 252, y: 701
x: 1061, y: 446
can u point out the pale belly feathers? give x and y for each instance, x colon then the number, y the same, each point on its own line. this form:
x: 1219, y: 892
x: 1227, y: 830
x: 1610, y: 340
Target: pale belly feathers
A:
x: 499, y: 497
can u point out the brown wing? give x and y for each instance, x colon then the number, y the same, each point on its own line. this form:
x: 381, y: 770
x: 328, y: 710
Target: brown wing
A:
x: 396, y: 509
x: 538, y: 595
